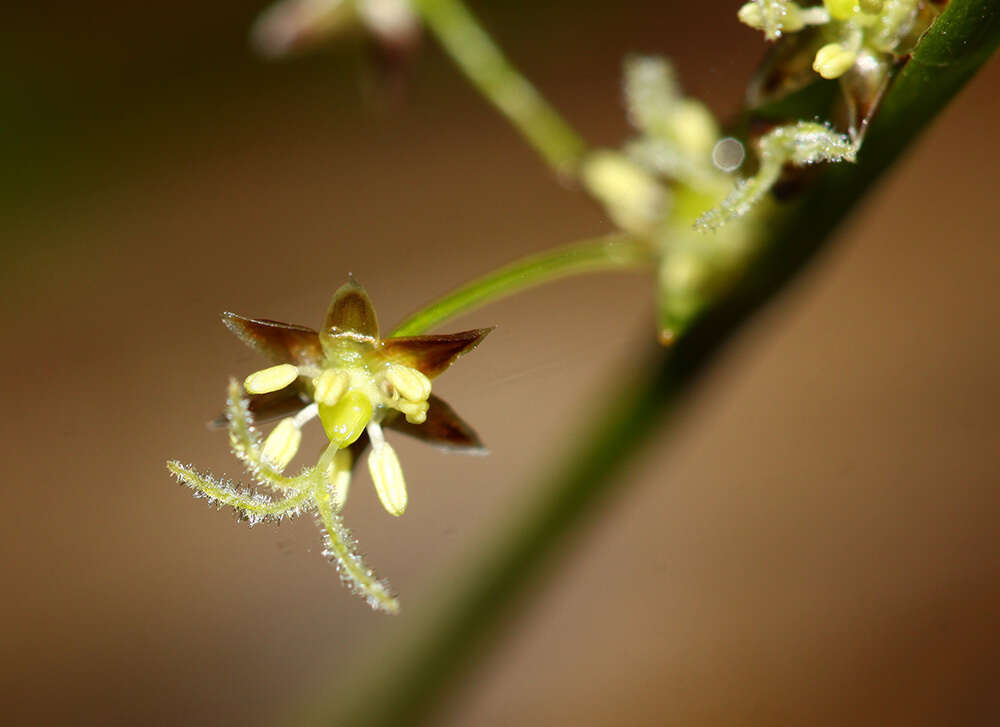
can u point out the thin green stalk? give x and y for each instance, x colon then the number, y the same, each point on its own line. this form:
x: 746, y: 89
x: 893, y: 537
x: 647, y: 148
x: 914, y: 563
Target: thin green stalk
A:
x: 410, y: 676
x: 485, y: 66
x: 610, y: 252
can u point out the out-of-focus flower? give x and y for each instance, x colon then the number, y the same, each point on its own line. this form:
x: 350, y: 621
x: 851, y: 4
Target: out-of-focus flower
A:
x: 291, y: 26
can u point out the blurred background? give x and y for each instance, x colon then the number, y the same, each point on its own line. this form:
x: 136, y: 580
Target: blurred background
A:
x: 815, y: 543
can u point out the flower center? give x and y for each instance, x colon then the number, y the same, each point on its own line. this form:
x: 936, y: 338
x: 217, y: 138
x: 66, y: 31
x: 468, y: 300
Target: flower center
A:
x: 349, y: 397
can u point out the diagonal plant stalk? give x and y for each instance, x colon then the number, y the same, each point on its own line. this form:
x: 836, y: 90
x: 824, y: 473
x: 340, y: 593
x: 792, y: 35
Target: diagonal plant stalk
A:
x: 408, y: 678
x: 484, y: 64
x: 609, y: 252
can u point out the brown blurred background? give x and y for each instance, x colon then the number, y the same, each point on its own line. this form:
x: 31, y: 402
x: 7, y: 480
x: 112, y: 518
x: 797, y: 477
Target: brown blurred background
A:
x: 815, y: 544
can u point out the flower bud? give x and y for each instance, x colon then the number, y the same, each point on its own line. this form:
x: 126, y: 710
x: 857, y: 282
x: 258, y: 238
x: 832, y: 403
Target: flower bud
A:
x: 345, y: 420
x: 387, y: 475
x: 410, y: 383
x: 282, y: 444
x: 329, y: 386
x: 833, y: 60
x: 840, y: 9
x: 270, y: 379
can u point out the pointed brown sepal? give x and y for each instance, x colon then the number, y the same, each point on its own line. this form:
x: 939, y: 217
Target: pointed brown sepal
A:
x: 351, y: 311
x: 431, y: 354
x: 281, y: 342
x: 443, y: 428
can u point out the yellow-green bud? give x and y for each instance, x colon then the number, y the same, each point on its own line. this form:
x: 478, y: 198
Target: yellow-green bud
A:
x: 408, y: 382
x: 282, y: 444
x: 329, y: 386
x: 345, y: 420
x: 833, y: 60
x: 387, y: 475
x: 270, y: 379
x: 871, y: 7
x: 338, y: 478
x: 840, y: 9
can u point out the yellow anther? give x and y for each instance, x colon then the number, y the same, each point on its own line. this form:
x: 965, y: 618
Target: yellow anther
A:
x: 338, y: 478
x: 282, y: 444
x: 415, y: 411
x: 833, y: 60
x: 694, y: 127
x: 871, y: 7
x: 750, y: 14
x: 794, y: 20
x: 631, y: 195
x: 840, y: 9
x: 409, y: 382
x: 387, y: 476
x: 270, y: 379
x: 345, y: 420
x: 329, y: 386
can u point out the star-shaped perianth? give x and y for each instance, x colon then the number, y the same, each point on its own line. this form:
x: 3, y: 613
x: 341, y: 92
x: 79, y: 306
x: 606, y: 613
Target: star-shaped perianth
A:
x: 357, y: 384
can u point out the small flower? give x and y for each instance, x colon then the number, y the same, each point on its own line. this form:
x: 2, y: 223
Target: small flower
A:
x: 671, y: 183
x: 847, y: 28
x: 357, y: 384
x: 660, y: 182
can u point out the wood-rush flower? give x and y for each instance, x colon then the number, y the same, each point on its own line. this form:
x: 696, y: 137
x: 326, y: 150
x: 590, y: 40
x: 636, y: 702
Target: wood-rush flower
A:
x: 858, y: 42
x: 357, y: 384
x: 668, y: 185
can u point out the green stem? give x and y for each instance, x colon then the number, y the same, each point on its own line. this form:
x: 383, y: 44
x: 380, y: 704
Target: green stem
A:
x: 611, y: 252
x: 410, y: 676
x: 485, y: 66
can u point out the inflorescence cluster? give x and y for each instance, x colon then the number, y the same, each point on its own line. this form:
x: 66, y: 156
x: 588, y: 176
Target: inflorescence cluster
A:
x: 676, y: 186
